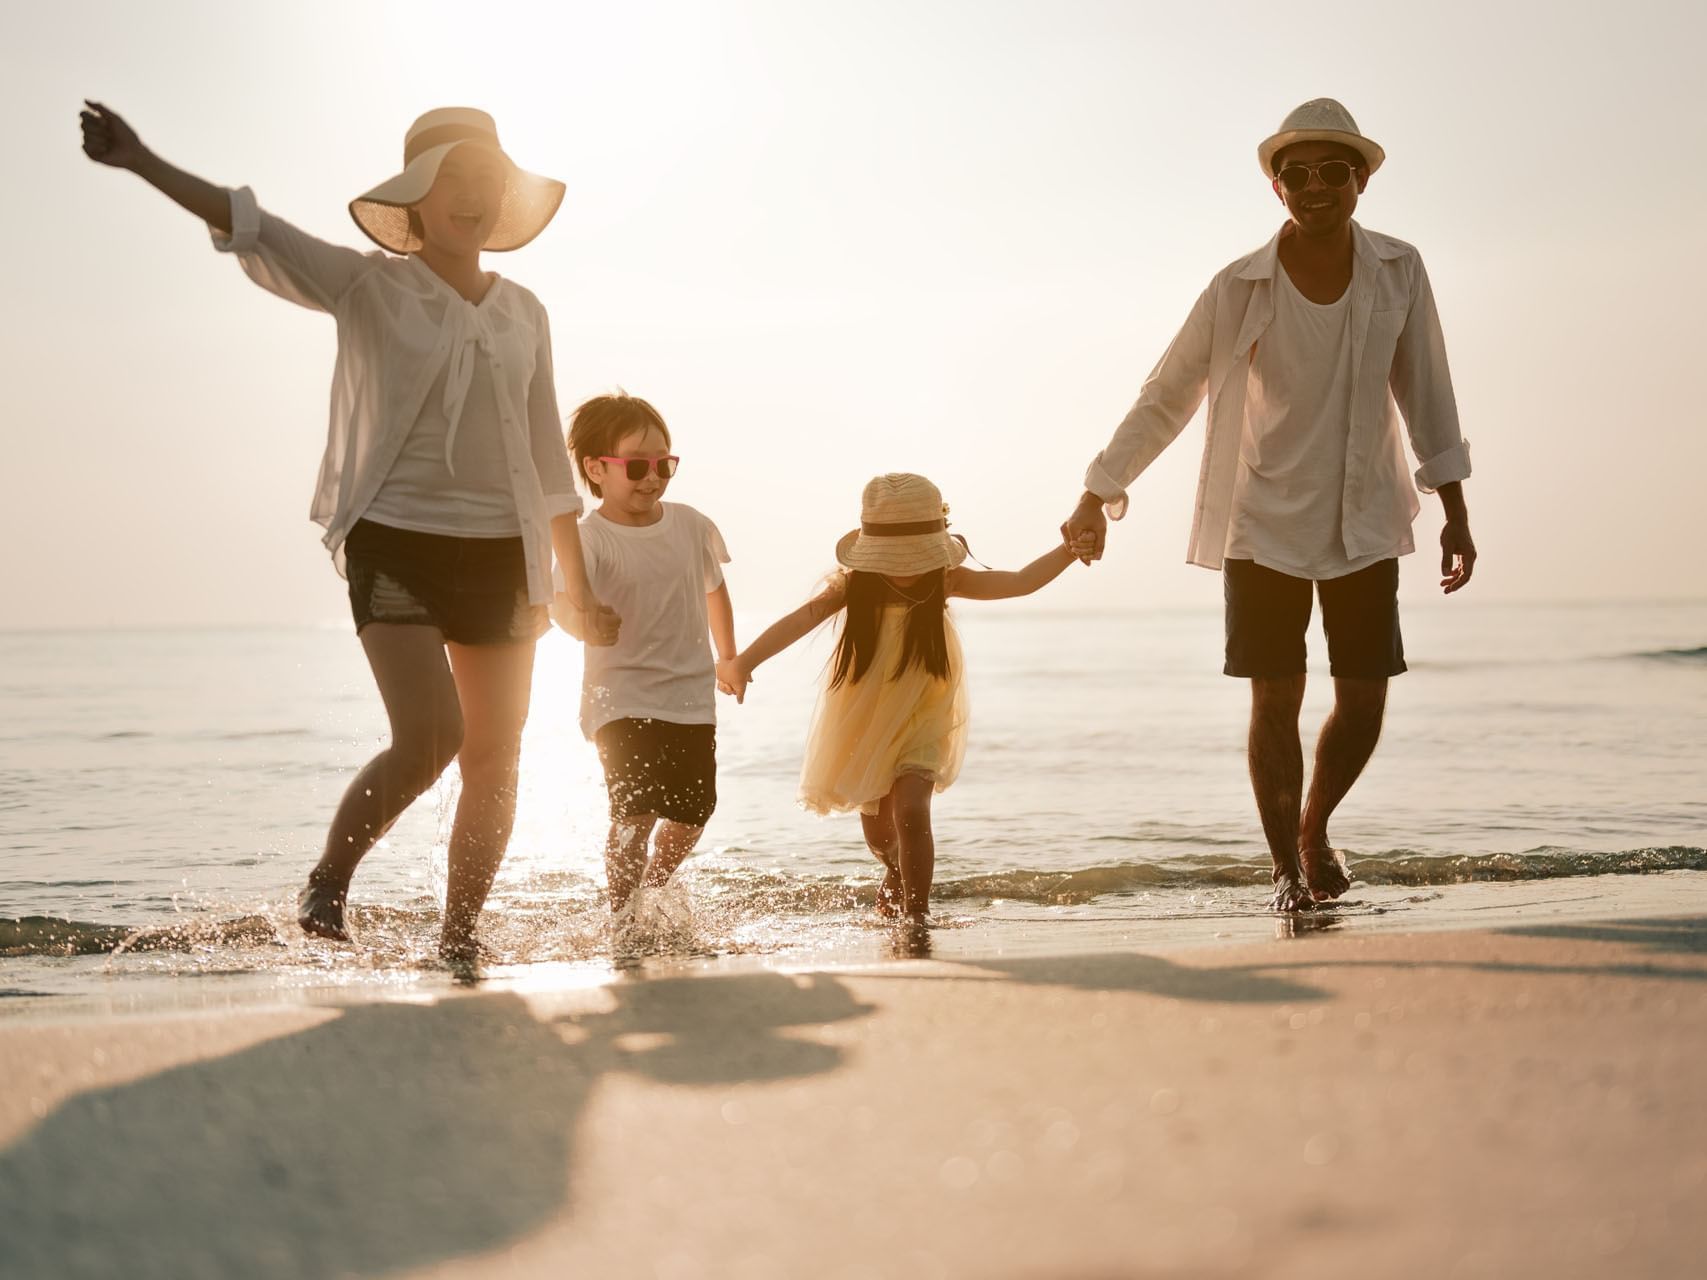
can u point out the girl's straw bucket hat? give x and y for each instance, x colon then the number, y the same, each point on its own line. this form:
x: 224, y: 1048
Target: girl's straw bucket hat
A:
x: 1319, y: 120
x: 903, y: 529
x: 530, y: 201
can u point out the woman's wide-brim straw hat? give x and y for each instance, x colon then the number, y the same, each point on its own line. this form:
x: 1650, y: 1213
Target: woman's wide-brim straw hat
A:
x: 903, y: 529
x: 1319, y: 120
x: 530, y: 201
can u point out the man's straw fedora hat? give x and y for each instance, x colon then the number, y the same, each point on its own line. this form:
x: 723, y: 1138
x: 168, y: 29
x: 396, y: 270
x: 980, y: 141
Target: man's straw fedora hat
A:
x: 1319, y: 120
x: 903, y: 529
x: 529, y: 202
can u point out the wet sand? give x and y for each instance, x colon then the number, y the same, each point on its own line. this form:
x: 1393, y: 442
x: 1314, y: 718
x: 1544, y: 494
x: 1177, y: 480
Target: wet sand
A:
x: 1517, y: 1100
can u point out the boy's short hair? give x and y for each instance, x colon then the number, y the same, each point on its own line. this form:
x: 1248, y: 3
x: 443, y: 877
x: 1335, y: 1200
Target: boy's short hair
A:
x: 599, y: 425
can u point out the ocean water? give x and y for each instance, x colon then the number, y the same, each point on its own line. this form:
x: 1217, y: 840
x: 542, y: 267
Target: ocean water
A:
x: 163, y: 793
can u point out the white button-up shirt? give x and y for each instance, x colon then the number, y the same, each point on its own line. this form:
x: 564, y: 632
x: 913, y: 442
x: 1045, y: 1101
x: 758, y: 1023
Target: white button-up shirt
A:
x: 399, y: 326
x: 1398, y: 361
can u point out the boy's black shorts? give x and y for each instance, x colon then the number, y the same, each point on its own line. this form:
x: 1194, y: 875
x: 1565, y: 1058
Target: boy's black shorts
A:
x: 1268, y: 612
x: 657, y: 766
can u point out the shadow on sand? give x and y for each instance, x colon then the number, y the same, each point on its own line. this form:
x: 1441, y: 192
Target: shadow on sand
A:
x: 391, y: 1137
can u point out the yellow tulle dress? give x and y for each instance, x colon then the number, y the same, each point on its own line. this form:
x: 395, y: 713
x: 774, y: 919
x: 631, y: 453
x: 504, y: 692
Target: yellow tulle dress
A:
x: 865, y: 733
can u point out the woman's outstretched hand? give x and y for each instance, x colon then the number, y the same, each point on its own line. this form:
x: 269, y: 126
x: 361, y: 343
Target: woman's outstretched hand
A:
x: 107, y: 139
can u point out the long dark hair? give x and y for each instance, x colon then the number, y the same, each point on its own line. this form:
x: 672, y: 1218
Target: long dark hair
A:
x: 923, y: 643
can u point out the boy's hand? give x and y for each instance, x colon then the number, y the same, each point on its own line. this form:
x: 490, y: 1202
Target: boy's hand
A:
x: 732, y: 678
x: 598, y: 625
x: 601, y: 623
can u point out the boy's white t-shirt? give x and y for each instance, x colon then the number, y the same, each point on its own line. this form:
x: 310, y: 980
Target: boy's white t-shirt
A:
x: 656, y: 577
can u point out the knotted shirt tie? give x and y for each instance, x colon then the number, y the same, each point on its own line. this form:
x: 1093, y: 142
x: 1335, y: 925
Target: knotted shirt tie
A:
x: 470, y: 328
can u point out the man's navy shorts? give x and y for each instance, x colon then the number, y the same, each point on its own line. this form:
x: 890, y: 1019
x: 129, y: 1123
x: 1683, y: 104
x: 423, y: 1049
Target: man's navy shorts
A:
x: 1268, y: 612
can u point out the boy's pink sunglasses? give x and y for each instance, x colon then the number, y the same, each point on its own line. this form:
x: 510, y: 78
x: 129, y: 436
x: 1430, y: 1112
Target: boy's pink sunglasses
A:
x: 636, y: 468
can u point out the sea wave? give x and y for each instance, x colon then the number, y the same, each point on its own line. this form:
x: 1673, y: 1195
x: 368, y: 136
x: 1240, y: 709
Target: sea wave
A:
x: 1697, y: 654
x: 571, y: 916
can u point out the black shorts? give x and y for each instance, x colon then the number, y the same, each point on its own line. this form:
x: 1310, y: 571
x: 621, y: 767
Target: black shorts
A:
x: 658, y: 766
x: 474, y: 590
x: 1268, y: 612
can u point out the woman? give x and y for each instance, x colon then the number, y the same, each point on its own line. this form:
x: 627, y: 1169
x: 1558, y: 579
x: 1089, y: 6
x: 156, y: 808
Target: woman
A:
x: 446, y: 485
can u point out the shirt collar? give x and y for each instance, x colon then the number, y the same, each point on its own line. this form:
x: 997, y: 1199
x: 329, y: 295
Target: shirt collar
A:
x: 1262, y: 264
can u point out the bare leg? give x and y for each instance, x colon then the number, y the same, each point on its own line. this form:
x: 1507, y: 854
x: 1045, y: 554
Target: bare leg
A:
x: 1348, y: 740
x: 912, y: 800
x: 674, y: 842
x: 625, y: 857
x: 1277, y: 777
x: 408, y: 664
x: 885, y: 844
x: 493, y: 682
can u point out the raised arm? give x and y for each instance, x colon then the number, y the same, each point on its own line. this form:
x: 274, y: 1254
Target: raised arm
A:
x: 279, y: 257
x: 108, y: 140
x: 786, y: 630
x: 1007, y: 584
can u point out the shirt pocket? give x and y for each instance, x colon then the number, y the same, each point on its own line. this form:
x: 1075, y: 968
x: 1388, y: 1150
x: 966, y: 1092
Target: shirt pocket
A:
x: 1380, y: 342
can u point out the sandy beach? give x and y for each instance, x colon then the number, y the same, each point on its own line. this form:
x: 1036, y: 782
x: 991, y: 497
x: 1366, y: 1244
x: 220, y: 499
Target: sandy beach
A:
x: 1516, y: 1100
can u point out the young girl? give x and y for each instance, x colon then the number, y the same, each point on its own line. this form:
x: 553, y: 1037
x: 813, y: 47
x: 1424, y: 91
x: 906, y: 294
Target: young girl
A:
x: 446, y: 485
x: 890, y: 727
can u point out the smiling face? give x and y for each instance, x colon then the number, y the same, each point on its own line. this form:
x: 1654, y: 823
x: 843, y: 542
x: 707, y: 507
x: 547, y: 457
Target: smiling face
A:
x: 1318, y: 209
x: 631, y: 501
x: 458, y: 213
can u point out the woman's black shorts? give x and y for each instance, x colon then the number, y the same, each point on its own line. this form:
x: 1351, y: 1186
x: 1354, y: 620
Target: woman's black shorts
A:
x: 474, y: 590
x: 658, y: 766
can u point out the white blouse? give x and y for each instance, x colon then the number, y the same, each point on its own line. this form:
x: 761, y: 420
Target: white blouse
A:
x: 399, y: 328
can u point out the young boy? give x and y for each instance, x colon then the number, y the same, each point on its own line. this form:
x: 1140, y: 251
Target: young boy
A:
x: 648, y: 701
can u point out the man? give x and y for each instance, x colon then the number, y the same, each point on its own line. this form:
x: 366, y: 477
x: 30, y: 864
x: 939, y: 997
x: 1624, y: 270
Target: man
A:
x: 1308, y: 350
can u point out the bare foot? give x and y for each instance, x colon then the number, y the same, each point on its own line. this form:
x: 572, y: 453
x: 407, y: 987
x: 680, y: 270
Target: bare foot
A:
x: 1325, y: 873
x: 1289, y: 892
x: 459, y: 950
x: 911, y: 939
x: 889, y: 892
x: 320, y: 911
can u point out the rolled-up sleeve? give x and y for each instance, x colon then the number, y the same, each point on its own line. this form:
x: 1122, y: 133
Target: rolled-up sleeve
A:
x: 1422, y: 387
x: 289, y: 262
x: 1169, y: 398
x: 545, y: 431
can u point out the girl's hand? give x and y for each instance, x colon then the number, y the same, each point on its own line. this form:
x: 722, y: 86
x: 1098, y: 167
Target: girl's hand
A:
x: 107, y: 139
x: 733, y: 678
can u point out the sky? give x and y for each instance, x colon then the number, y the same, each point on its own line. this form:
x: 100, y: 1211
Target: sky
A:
x: 831, y: 240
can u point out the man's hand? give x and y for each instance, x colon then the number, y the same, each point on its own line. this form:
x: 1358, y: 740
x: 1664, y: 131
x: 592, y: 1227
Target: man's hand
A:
x: 107, y: 139
x: 732, y: 678
x: 1086, y: 529
x: 1457, y: 555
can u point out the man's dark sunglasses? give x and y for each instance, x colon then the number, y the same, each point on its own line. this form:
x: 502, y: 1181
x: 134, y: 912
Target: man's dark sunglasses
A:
x: 1333, y: 173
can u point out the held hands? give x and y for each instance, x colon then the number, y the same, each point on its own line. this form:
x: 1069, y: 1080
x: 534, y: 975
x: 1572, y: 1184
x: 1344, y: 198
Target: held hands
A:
x: 1457, y: 555
x: 107, y: 139
x: 733, y: 678
x: 1086, y: 530
x: 596, y: 625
